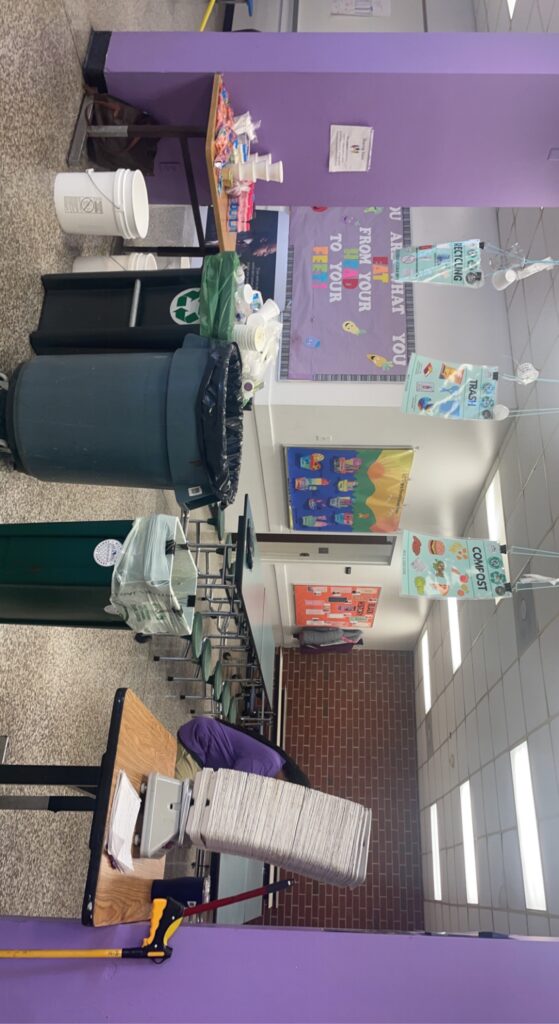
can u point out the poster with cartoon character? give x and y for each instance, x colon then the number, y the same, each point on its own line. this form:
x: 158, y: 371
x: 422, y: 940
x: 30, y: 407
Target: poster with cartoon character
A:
x: 347, y: 490
x: 461, y: 391
x: 344, y: 318
x: 463, y: 567
x: 454, y: 263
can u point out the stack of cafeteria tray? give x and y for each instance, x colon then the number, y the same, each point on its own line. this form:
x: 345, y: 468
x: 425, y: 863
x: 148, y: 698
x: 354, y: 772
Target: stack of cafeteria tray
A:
x: 299, y: 829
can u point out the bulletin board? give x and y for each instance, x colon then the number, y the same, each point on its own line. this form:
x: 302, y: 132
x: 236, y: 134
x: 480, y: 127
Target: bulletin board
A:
x: 343, y: 607
x: 345, y: 319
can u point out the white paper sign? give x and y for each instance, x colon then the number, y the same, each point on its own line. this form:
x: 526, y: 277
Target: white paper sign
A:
x: 351, y: 147
x: 361, y: 8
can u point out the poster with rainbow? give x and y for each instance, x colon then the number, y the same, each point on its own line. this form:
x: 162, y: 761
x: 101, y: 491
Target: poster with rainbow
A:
x: 347, y: 490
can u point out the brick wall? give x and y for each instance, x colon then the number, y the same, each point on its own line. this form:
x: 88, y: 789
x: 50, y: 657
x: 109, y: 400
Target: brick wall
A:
x: 351, y: 726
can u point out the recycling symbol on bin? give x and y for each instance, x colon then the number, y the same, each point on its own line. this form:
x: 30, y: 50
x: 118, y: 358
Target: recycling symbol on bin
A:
x: 185, y: 307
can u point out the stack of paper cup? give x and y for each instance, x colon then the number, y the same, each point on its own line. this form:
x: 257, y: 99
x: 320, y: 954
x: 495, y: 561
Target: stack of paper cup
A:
x: 241, y: 172
x: 250, y: 336
x: 260, y: 158
x: 275, y: 171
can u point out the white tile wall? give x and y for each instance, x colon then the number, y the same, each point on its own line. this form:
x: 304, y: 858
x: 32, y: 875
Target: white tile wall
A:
x: 496, y: 700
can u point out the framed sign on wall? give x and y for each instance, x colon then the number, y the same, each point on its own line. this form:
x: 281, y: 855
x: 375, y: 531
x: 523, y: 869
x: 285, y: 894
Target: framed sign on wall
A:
x: 347, y: 490
x: 345, y: 607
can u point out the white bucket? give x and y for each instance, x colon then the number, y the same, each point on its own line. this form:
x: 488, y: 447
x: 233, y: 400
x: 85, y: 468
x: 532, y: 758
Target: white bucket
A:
x: 105, y: 264
x: 102, y: 203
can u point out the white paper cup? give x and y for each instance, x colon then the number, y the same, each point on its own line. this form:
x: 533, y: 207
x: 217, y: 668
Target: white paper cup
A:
x: 260, y: 158
x: 276, y: 171
x: 270, y: 310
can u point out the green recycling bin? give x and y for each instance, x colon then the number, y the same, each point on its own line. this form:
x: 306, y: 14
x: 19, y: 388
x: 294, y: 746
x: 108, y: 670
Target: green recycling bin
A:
x: 59, y: 574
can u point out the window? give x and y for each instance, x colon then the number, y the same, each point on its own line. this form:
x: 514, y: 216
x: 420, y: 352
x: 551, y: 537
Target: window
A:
x: 454, y: 629
x: 530, y: 855
x: 426, y: 671
x: 437, y: 889
x: 469, y: 846
x: 511, y: 4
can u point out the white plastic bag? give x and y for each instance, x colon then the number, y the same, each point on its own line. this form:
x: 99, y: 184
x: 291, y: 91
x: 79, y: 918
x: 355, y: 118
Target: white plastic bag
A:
x: 152, y: 591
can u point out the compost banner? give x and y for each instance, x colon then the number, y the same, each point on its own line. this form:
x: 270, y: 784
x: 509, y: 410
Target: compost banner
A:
x: 344, y: 607
x: 344, y: 317
x: 463, y: 392
x: 454, y: 263
x: 347, y: 490
x: 462, y: 567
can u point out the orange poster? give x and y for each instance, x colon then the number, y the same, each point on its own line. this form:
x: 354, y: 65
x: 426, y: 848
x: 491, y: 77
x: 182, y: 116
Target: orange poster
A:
x: 343, y: 607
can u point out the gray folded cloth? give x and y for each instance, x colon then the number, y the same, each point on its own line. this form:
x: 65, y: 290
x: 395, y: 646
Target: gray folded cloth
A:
x: 321, y: 637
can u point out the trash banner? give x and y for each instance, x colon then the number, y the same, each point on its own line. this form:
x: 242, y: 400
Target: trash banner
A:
x: 455, y: 263
x: 463, y: 567
x: 457, y: 392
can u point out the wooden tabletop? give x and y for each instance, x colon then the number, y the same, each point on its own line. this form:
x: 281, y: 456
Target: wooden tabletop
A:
x: 227, y: 239
x: 143, y: 746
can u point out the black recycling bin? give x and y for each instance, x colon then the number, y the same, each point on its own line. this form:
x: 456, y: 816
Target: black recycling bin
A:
x: 164, y: 420
x: 125, y: 311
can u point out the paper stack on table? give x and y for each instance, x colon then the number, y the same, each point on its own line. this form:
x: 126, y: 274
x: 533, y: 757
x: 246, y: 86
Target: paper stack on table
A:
x: 322, y: 836
x: 124, y: 814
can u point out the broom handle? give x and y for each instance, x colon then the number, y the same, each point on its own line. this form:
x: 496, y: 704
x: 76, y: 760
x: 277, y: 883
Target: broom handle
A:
x: 117, y: 954
x: 263, y: 890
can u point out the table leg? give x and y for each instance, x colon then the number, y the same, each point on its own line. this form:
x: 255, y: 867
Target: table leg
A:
x: 47, y: 803
x: 49, y: 775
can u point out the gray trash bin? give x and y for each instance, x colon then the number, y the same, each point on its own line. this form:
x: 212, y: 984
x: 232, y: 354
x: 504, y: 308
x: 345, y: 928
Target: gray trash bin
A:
x: 156, y: 420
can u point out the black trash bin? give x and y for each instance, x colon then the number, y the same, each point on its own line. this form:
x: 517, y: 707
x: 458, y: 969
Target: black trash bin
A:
x: 158, y: 420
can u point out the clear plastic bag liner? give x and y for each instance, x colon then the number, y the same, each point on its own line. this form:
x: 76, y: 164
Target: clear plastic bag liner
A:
x: 154, y: 589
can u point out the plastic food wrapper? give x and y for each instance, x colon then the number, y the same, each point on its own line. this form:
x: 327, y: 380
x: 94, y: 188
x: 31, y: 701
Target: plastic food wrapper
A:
x: 217, y: 296
x: 154, y: 580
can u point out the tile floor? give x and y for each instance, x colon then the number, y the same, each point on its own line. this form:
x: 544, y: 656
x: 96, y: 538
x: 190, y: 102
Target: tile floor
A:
x: 57, y: 685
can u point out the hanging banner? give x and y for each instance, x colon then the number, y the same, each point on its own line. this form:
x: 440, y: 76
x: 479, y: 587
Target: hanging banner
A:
x: 455, y: 263
x: 463, y: 392
x: 344, y: 318
x: 344, y: 607
x: 347, y: 490
x: 462, y: 567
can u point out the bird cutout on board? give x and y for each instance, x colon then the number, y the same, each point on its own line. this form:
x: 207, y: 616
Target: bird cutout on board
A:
x: 351, y: 328
x: 381, y: 362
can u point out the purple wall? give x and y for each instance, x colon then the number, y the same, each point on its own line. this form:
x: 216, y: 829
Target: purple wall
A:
x: 463, y: 119
x: 274, y: 975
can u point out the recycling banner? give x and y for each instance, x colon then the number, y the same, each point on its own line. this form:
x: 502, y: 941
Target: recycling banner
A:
x: 463, y: 567
x: 454, y: 263
x: 459, y: 392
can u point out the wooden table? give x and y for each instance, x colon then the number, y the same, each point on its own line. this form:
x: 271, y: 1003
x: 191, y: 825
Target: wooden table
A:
x: 227, y: 239
x: 184, y: 133
x: 138, y: 744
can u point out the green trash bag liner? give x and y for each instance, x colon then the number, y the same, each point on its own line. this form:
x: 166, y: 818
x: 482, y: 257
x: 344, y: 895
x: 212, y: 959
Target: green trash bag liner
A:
x: 217, y: 296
